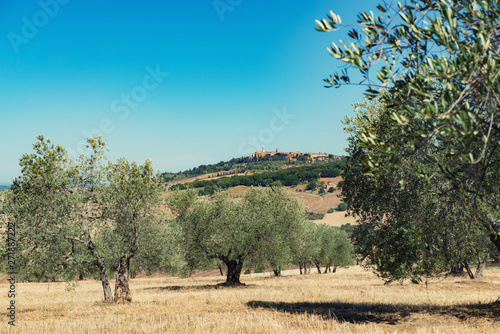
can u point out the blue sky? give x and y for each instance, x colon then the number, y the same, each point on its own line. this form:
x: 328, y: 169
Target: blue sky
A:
x: 183, y: 83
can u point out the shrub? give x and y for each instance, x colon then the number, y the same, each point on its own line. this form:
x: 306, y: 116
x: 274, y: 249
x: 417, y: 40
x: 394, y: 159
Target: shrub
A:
x: 315, y: 215
x: 276, y: 183
x: 311, y: 185
x: 342, y: 207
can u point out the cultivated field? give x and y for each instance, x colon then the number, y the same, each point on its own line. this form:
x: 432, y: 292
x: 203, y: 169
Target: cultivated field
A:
x: 349, y: 301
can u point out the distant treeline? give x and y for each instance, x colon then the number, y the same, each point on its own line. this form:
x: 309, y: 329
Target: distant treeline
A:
x: 247, y: 163
x: 285, y: 177
x: 203, y: 169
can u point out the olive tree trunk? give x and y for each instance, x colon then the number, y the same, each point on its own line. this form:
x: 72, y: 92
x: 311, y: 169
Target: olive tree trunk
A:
x: 122, y: 290
x: 103, y: 270
x: 481, y: 265
x: 469, y: 271
x: 219, y: 265
x: 276, y: 269
x: 106, y: 287
x: 233, y: 272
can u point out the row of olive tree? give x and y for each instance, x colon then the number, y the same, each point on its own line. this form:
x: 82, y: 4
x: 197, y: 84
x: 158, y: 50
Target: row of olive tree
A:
x: 91, y: 217
x: 321, y: 246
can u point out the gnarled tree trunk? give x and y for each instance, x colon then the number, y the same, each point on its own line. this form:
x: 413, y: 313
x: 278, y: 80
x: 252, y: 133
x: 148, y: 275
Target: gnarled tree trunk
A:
x: 481, y: 265
x: 106, y: 287
x: 233, y: 271
x: 103, y: 270
x: 122, y: 290
x: 469, y: 271
x: 219, y: 265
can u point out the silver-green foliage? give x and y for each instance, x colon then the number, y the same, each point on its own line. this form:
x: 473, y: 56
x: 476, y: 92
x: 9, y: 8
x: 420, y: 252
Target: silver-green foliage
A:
x: 409, y: 226
x: 444, y: 53
x: 80, y: 217
x: 252, y: 232
x: 437, y: 72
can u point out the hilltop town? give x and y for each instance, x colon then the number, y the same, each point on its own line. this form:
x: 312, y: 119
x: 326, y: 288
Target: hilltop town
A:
x: 293, y: 156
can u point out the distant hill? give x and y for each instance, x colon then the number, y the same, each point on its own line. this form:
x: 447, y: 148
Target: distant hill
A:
x: 269, y: 162
x: 291, y: 176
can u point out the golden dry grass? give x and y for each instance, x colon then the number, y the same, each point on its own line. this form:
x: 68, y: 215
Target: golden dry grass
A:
x: 317, y: 203
x: 349, y: 301
x: 337, y: 218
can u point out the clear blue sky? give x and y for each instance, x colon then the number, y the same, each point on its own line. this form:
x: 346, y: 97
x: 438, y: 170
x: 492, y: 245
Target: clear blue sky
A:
x: 183, y: 83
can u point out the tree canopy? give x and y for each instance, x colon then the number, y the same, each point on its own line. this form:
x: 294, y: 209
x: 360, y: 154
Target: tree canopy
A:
x: 443, y: 53
x: 254, y: 231
x: 409, y: 226
x: 436, y: 139
x: 83, y: 217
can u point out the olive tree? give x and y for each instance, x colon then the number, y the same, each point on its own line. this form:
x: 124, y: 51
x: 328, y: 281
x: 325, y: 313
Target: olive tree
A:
x: 41, y: 205
x: 438, y: 74
x: 304, y: 245
x: 238, y: 233
x: 409, y: 226
x: 132, y: 195
x: 333, y: 248
x: 73, y: 216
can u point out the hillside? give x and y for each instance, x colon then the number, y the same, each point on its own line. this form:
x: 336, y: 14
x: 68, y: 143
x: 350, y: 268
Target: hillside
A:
x: 292, y: 175
x: 270, y: 161
x: 286, y: 176
x: 313, y: 202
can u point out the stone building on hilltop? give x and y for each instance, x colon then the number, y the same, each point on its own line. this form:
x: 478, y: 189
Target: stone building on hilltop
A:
x: 290, y: 155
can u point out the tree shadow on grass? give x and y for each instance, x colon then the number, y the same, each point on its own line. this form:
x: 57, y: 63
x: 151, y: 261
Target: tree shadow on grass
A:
x: 200, y: 287
x: 381, y: 313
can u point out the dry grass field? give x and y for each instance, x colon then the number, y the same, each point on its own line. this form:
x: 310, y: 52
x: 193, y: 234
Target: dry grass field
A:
x: 349, y: 301
x: 336, y: 219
